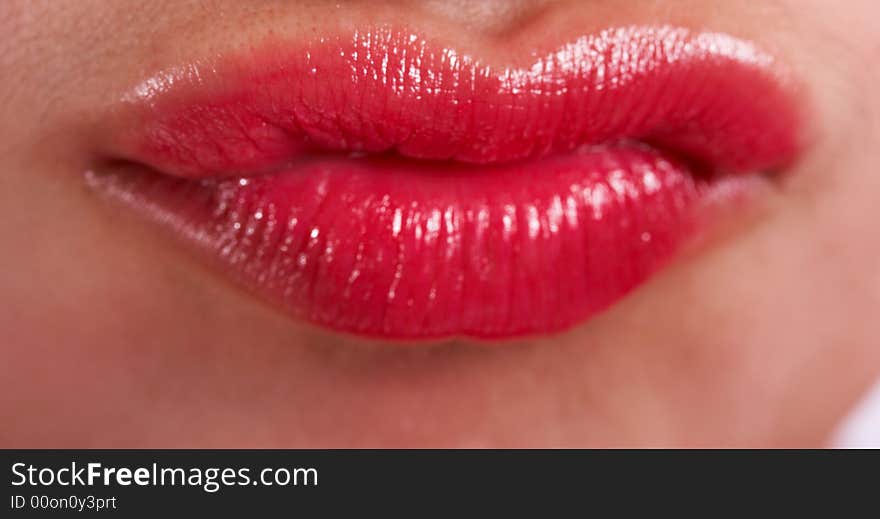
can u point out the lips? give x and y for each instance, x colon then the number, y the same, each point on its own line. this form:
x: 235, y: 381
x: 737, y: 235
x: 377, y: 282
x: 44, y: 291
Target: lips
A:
x: 383, y: 184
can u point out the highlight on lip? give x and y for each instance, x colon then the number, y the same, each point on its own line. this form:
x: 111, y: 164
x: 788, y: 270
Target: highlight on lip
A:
x: 384, y: 185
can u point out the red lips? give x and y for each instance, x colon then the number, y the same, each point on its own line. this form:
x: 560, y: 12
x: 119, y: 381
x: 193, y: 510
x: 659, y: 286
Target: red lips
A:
x: 383, y: 185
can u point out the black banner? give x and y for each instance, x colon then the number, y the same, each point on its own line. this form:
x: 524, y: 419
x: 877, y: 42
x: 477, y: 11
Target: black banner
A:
x: 147, y: 483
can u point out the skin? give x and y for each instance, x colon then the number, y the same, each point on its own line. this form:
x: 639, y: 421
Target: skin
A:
x: 112, y: 335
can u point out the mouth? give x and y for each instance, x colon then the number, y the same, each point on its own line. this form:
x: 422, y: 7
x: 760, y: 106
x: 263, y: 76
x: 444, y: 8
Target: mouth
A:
x: 382, y: 184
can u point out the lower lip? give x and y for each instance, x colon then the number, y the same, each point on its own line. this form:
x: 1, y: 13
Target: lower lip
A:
x: 389, y: 248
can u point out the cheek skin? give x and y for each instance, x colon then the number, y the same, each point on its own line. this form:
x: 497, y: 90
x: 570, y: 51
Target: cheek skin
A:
x: 118, y: 340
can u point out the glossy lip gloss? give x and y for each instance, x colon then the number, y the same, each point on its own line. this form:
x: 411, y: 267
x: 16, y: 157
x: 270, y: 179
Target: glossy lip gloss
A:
x: 381, y: 184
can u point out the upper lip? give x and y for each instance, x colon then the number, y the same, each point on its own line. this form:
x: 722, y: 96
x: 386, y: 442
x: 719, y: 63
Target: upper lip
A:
x: 390, y: 90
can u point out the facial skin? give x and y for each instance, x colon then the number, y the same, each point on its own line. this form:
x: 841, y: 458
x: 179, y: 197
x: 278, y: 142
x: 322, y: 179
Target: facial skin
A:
x: 112, y: 335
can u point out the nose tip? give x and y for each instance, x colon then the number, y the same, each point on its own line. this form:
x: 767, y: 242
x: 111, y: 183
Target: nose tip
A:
x: 490, y: 17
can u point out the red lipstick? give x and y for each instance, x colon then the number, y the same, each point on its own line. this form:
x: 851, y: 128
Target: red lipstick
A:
x: 382, y: 184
